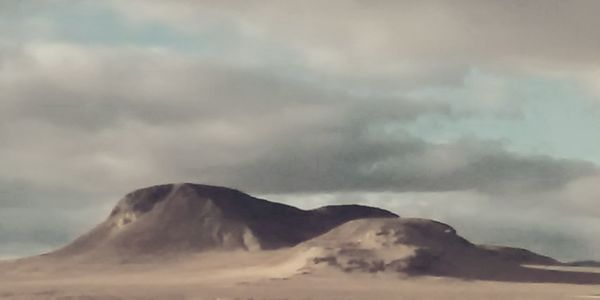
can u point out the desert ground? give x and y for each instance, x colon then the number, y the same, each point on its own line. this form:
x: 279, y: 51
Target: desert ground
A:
x: 270, y: 275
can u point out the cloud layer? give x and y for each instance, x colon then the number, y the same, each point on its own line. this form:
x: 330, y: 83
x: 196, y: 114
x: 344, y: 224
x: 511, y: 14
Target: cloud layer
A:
x: 295, y: 101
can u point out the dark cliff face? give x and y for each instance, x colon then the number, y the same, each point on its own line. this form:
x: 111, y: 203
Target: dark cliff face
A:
x: 193, y: 217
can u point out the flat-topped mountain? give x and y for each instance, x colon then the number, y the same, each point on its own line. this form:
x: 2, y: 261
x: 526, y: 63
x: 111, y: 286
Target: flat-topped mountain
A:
x: 179, y: 218
x: 185, y: 219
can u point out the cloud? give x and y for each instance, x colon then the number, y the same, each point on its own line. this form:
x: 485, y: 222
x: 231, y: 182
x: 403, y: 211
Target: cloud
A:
x: 401, y: 37
x: 36, y: 218
x: 190, y: 118
x: 308, y: 102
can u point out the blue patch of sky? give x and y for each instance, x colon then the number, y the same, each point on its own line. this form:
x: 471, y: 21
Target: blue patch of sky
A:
x: 217, y: 39
x: 98, y: 25
x: 547, y: 116
x: 93, y: 24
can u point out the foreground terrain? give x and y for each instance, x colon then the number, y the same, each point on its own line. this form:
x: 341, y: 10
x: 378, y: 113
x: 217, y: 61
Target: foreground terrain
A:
x: 268, y: 277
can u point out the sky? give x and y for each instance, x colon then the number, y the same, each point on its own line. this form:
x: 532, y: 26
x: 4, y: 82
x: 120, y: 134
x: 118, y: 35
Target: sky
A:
x: 482, y: 114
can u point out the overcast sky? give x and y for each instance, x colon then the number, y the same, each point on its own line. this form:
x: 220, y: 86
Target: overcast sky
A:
x: 481, y: 114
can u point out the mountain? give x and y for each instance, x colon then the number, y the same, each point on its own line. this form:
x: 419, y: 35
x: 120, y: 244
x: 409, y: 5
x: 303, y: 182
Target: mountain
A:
x: 189, y: 218
x: 169, y: 220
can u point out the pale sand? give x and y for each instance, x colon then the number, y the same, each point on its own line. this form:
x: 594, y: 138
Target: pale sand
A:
x: 262, y: 275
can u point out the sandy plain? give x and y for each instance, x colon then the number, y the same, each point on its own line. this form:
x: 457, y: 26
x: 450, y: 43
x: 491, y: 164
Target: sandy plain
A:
x: 269, y: 275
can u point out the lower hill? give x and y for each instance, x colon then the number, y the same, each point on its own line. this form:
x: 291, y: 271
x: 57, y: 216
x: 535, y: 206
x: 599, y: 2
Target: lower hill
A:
x: 414, y: 247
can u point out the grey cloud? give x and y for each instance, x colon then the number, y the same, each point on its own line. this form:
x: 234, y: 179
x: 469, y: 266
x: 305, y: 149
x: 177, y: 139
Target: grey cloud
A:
x: 188, y: 118
x: 82, y: 126
x: 379, y: 35
x: 20, y: 194
x: 102, y: 93
x: 35, y: 219
x: 36, y: 229
x: 359, y: 163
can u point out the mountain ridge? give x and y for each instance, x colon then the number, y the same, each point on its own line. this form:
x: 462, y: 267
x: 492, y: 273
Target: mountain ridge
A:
x: 189, y: 217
